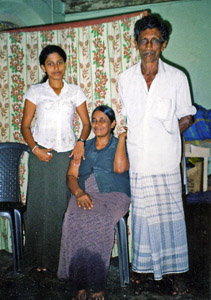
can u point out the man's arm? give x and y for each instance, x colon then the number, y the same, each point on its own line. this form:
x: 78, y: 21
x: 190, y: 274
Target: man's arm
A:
x: 185, y: 123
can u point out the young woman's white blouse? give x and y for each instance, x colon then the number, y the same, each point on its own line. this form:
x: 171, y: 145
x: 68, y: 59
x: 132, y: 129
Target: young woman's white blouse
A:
x: 54, y: 124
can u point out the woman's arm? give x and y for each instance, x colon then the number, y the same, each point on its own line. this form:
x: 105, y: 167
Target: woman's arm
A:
x: 28, y: 114
x: 78, y: 150
x: 121, y: 163
x: 83, y: 114
x: 82, y: 198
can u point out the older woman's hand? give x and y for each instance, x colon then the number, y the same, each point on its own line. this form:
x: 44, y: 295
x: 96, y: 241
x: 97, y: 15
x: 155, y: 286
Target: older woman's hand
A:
x: 84, y: 201
x: 123, y: 135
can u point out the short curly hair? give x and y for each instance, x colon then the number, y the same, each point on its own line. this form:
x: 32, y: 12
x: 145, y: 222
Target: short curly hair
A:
x: 150, y: 22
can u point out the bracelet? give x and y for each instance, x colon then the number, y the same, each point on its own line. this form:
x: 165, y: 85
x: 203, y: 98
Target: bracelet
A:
x: 34, y: 148
x: 81, y: 140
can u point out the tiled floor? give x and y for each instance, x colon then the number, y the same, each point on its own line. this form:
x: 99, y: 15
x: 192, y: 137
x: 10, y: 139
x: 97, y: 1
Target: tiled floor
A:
x: 31, y: 285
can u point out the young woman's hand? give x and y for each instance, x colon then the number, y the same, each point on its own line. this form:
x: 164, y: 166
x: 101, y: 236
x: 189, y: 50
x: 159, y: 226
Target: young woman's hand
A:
x: 78, y: 153
x: 43, y: 154
x: 84, y: 201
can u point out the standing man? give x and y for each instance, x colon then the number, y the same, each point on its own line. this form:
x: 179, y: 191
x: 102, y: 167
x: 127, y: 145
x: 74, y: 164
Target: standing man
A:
x: 157, y: 104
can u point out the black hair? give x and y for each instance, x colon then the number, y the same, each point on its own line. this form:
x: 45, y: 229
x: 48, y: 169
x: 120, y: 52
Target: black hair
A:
x: 46, y: 52
x: 108, y: 111
x: 150, y: 22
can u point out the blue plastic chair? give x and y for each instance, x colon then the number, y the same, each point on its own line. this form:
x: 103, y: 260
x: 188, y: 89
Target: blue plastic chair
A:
x: 11, y: 206
x: 123, y: 254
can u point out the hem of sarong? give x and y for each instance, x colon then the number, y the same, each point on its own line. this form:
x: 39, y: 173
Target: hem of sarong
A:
x: 163, y: 274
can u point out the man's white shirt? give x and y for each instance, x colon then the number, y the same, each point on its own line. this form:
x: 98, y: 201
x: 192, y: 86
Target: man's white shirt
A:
x: 153, y: 137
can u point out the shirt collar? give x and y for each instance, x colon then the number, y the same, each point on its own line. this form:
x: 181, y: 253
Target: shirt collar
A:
x: 161, y: 67
x: 47, y: 84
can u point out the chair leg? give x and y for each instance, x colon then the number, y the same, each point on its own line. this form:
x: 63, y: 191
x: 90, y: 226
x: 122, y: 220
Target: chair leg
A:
x: 19, y: 234
x: 14, y: 243
x: 121, y: 271
x: 121, y: 234
x: 124, y: 246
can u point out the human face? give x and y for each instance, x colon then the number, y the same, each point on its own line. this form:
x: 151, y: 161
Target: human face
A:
x: 150, y: 45
x: 101, y: 124
x: 54, y: 66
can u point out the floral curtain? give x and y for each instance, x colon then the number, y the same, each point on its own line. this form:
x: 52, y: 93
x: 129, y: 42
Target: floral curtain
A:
x: 97, y: 52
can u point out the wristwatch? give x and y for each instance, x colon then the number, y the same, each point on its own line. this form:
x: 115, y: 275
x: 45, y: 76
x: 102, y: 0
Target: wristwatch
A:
x: 81, y: 140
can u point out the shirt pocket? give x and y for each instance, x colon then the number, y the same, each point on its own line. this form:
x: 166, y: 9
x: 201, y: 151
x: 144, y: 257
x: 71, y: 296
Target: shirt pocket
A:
x: 164, y: 111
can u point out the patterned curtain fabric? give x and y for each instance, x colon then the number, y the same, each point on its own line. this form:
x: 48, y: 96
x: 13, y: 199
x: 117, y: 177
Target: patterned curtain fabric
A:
x: 96, y: 55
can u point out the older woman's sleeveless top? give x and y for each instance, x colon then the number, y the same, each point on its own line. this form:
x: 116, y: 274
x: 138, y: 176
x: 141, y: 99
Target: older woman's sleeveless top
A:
x: 100, y: 163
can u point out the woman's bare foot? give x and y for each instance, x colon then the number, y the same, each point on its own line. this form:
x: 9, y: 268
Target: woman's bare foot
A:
x: 98, y: 296
x: 81, y: 295
x: 39, y: 269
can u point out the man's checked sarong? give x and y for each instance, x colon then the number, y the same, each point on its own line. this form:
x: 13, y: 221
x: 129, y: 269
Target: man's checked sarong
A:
x: 158, y: 225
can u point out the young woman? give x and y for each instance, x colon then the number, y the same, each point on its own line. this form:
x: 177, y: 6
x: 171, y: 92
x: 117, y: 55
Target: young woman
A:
x: 52, y: 142
x: 100, y: 197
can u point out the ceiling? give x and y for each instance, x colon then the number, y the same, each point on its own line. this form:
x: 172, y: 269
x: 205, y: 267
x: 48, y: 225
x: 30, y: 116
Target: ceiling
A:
x: 9, y: 15
x: 73, y: 6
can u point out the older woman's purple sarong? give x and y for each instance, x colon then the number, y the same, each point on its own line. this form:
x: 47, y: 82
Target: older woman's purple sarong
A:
x: 88, y: 237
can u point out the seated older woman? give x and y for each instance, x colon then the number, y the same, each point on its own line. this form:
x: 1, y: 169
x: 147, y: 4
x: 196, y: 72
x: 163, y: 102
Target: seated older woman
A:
x: 100, y: 197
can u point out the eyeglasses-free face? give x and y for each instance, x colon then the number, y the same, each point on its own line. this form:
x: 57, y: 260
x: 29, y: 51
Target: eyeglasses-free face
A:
x: 54, y: 66
x: 101, y: 124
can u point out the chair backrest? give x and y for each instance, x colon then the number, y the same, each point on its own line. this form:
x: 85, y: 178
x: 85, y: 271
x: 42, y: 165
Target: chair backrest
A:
x: 10, y: 157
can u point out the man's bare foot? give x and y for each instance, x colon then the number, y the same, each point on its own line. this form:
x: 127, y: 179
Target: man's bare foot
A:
x: 98, y: 296
x: 179, y: 287
x: 176, y: 284
x: 81, y: 295
x: 138, y: 277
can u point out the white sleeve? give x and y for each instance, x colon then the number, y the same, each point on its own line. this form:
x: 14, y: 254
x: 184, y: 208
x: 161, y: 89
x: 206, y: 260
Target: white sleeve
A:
x: 80, y: 97
x: 184, y: 105
x: 31, y: 95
